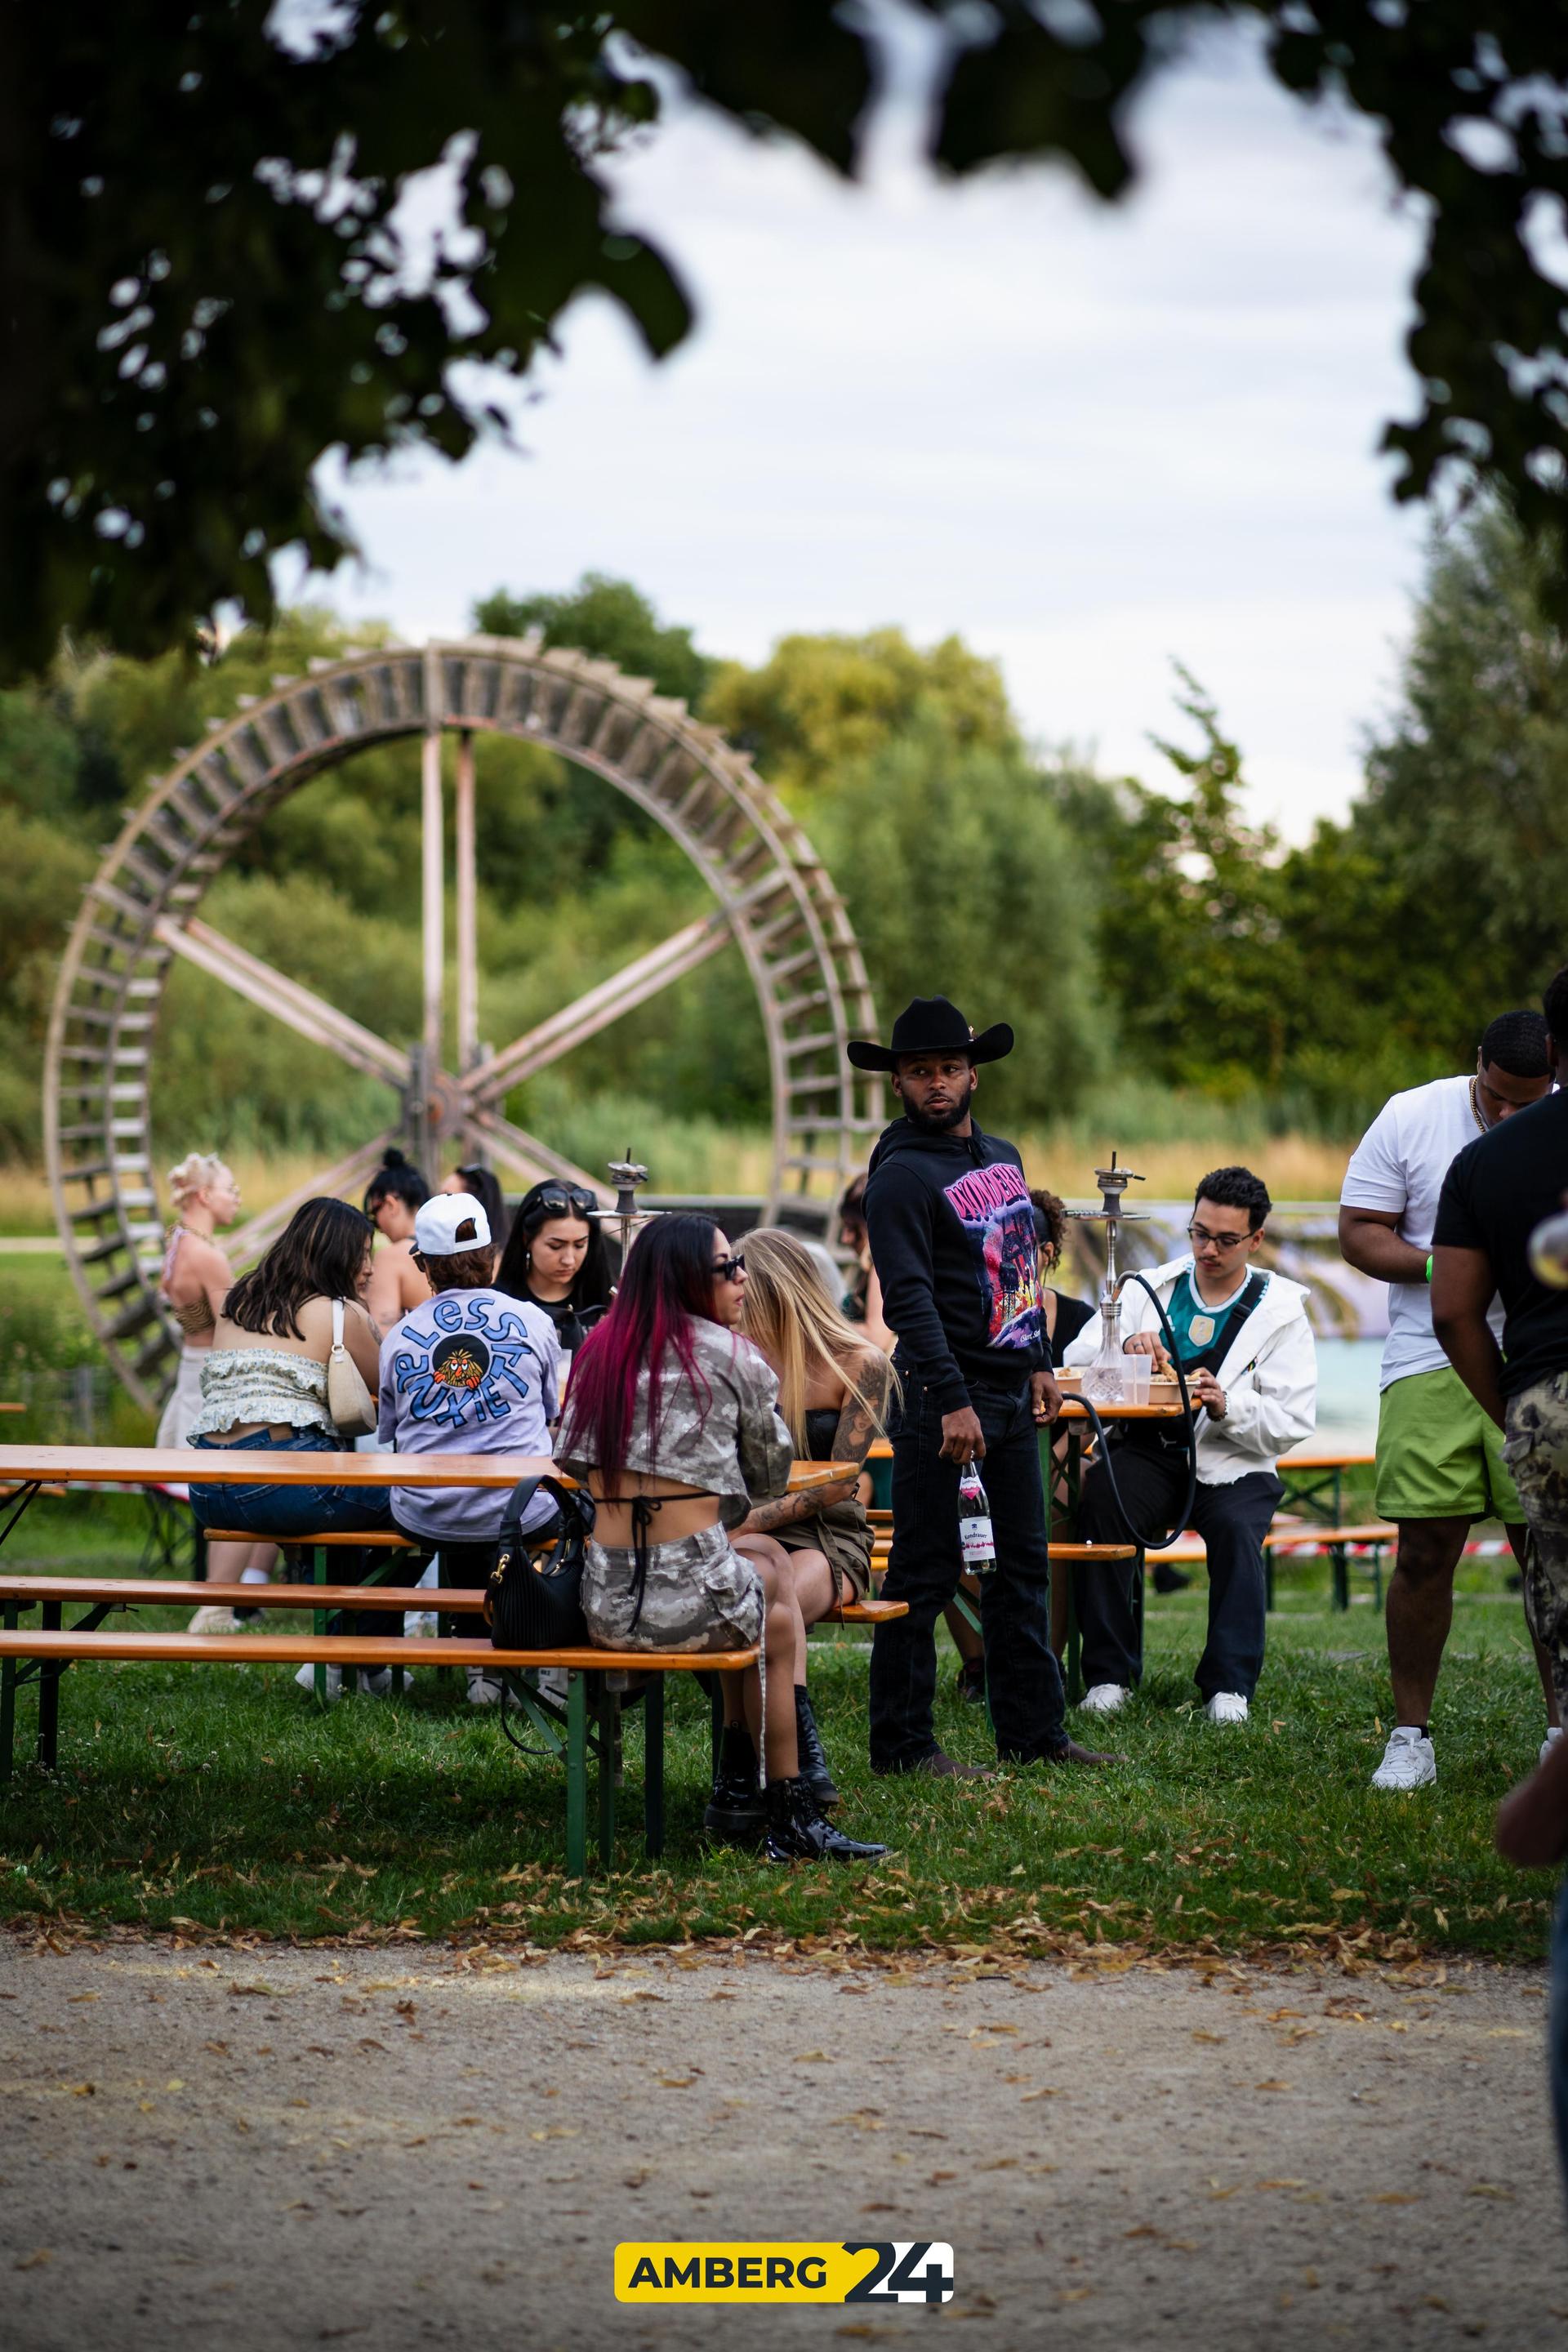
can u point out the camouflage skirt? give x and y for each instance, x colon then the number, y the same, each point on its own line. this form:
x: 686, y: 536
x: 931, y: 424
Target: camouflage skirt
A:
x: 698, y: 1593
x: 1537, y: 1455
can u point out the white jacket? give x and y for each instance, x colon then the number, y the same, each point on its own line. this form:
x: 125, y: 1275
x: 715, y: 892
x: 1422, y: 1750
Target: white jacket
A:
x: 1269, y: 1374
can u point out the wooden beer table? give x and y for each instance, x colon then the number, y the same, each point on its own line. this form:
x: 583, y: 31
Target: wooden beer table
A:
x: 45, y: 1654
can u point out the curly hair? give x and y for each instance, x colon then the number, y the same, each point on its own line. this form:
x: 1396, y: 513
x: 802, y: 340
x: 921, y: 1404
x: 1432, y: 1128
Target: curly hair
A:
x: 193, y: 1173
x: 1050, y: 1223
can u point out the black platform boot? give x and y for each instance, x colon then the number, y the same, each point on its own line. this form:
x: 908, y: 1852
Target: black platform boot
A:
x: 814, y: 1769
x: 735, y: 1814
x: 799, y: 1831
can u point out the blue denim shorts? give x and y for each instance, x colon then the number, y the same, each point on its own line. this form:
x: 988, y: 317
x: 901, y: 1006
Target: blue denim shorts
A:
x: 266, y: 1508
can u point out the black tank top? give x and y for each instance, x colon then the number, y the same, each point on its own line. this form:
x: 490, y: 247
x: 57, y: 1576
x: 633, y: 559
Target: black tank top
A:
x: 821, y: 1429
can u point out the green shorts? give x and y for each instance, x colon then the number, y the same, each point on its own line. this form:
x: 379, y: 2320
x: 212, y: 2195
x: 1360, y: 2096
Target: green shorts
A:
x: 1438, y: 1456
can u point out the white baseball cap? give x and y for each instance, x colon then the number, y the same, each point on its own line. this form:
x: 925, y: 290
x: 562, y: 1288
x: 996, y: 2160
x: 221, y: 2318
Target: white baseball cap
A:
x: 449, y: 1223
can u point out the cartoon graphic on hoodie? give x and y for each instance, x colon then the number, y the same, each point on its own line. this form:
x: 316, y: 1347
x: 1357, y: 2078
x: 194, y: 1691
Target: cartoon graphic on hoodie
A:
x: 993, y: 1206
x: 952, y: 1238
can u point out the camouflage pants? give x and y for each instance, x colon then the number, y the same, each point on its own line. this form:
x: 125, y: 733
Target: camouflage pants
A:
x: 1537, y: 1455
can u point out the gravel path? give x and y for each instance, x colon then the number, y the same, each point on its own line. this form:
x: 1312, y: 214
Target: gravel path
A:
x: 260, y: 2150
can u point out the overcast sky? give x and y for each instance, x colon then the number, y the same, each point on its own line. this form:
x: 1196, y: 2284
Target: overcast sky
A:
x: 1087, y: 440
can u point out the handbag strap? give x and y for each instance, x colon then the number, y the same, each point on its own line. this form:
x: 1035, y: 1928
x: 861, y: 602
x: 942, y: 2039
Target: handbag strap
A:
x: 576, y: 1508
x: 337, y: 1326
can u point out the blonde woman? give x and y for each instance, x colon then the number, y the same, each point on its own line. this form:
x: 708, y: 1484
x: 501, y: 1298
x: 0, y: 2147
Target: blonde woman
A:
x: 833, y: 1395
x: 196, y: 1280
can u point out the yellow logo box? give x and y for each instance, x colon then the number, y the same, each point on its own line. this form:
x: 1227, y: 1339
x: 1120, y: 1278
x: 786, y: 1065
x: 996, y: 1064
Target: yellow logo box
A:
x: 793, y: 2271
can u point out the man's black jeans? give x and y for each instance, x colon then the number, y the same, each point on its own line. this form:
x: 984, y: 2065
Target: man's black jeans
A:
x: 1232, y: 1520
x: 1023, y: 1681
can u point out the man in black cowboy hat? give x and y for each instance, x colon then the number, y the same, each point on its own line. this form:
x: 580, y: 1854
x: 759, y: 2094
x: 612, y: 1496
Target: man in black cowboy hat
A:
x: 952, y: 1238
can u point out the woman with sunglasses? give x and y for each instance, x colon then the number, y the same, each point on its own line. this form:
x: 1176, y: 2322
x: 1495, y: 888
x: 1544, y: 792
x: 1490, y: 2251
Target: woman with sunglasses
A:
x: 672, y: 1425
x: 556, y: 1260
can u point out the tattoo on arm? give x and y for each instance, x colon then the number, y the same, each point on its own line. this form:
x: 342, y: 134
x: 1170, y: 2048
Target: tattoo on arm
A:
x: 851, y: 1442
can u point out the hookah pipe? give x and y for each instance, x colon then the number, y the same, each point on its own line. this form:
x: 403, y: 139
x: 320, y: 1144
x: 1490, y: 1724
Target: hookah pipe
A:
x: 627, y: 1175
x: 1105, y: 1372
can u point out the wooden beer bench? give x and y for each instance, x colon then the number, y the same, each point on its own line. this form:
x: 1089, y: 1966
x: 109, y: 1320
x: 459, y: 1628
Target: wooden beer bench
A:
x: 44, y: 1655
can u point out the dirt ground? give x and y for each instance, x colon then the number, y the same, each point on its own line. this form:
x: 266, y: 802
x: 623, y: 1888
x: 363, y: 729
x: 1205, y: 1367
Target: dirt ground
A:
x: 260, y: 2150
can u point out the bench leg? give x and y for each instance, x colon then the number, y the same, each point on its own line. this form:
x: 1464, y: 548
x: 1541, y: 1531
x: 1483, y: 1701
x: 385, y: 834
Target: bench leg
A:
x: 1074, y: 1677
x: 50, y: 1695
x: 576, y: 1772
x: 1340, y: 1556
x: 9, y: 1702
x: 609, y: 1726
x: 319, y: 1621
x: 653, y: 1765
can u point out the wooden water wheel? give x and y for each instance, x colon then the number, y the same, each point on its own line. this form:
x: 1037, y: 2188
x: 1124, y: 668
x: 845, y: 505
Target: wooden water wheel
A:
x: 772, y: 896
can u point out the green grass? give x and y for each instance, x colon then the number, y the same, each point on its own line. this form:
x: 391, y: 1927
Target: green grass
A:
x: 220, y: 1800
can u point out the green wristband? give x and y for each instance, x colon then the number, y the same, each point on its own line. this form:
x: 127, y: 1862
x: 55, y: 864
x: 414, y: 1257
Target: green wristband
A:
x: 1428, y: 1265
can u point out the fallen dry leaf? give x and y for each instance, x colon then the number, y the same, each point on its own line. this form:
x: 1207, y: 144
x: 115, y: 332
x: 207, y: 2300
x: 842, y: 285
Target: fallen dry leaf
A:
x: 34, y: 2262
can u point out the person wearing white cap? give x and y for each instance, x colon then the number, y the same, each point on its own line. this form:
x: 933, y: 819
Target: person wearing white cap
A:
x: 467, y: 1372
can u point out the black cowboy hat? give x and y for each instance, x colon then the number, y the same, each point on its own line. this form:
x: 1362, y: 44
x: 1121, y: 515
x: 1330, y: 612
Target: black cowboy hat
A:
x: 929, y: 1025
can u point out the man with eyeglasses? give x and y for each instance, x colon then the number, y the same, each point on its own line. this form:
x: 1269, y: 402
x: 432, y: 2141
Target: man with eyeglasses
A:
x: 1247, y: 1349
x: 1439, y: 1456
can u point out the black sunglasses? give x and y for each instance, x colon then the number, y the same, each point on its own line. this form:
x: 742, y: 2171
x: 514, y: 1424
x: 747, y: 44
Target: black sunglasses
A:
x: 727, y: 1268
x: 561, y: 1204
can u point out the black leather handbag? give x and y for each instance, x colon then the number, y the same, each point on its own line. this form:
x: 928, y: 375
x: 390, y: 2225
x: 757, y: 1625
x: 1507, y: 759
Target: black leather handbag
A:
x: 536, y: 1604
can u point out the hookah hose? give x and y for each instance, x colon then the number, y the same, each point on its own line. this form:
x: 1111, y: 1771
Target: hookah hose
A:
x: 1137, y: 1535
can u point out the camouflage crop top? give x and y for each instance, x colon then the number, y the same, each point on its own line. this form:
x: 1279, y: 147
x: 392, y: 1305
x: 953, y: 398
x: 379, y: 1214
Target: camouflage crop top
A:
x: 728, y: 1442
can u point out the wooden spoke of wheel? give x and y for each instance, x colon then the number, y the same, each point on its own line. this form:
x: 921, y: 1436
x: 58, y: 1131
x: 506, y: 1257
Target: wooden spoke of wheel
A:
x: 774, y: 899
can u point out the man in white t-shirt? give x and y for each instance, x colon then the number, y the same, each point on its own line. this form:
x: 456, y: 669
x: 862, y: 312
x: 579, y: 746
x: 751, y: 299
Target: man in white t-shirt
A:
x: 1440, y: 1459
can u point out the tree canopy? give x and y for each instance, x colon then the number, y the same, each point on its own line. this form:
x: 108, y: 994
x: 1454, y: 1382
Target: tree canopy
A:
x: 213, y: 267
x: 609, y: 618
x: 1129, y: 929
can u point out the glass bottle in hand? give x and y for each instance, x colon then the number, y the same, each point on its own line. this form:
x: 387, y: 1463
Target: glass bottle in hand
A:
x: 974, y: 1536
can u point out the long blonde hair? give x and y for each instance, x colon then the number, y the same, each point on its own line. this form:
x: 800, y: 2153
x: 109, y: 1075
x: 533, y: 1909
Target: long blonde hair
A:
x: 788, y: 1315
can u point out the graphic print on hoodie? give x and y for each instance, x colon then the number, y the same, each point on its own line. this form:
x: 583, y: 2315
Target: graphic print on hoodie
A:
x: 993, y: 1205
x: 953, y: 1239
x: 469, y: 1371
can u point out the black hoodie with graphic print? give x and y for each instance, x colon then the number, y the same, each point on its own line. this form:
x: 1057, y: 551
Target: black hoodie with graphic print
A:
x: 953, y: 1240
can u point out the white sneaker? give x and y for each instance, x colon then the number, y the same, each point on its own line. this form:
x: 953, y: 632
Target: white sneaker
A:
x: 1227, y: 1706
x: 551, y: 1682
x: 1408, y: 1760
x: 1105, y: 1699
x: 215, y: 1621
x: 306, y: 1678
x: 484, y: 1690
x: 1553, y: 1735
x: 375, y: 1680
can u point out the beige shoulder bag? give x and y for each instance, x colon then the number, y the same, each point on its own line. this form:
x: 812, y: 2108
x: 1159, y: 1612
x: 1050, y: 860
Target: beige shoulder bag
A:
x: 349, y: 1401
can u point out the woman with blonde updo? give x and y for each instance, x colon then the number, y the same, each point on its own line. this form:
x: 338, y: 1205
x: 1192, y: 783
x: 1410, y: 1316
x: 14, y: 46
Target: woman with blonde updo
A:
x: 194, y: 1281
